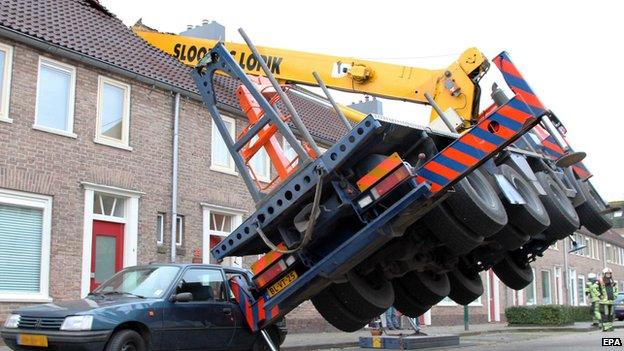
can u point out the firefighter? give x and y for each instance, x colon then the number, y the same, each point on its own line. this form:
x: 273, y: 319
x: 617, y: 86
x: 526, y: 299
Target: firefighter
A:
x: 608, y: 292
x: 592, y: 290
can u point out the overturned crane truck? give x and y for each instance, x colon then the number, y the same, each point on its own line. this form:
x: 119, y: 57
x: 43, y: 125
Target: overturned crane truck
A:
x: 393, y: 214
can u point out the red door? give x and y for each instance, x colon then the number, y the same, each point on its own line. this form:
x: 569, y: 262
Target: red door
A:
x: 106, y: 251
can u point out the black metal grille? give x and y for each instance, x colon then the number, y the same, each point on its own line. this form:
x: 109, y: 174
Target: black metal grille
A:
x: 40, y: 323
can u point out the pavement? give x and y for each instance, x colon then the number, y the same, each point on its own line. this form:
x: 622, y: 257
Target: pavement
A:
x: 321, y: 341
x: 491, y: 336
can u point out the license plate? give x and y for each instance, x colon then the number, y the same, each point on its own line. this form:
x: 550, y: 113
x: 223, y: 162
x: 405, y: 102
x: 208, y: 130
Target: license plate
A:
x: 32, y: 340
x: 282, y: 283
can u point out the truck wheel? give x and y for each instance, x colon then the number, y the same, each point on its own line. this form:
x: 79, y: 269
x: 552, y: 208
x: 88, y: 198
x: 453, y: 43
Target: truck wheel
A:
x: 589, y: 211
x: 362, y: 299
x: 405, y: 302
x: 126, y: 340
x: 334, y: 312
x: 451, y: 232
x: 513, y: 271
x: 563, y: 218
x: 466, y: 285
x: 426, y: 287
x: 476, y: 205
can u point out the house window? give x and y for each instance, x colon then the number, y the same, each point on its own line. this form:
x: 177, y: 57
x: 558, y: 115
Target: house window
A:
x: 290, y: 153
x: 160, y: 228
x: 54, y: 111
x: 260, y: 164
x: 581, y: 290
x: 6, y: 60
x: 113, y: 114
x: 218, y: 224
x: 529, y: 291
x: 108, y: 205
x: 546, y: 291
x: 220, y: 159
x: 179, y: 230
x: 24, y: 231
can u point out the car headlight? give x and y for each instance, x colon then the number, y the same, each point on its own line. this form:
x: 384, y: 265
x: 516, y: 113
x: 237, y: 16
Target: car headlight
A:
x: 77, y: 323
x: 12, y: 322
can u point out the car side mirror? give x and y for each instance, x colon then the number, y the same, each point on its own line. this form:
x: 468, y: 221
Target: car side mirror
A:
x: 182, y: 297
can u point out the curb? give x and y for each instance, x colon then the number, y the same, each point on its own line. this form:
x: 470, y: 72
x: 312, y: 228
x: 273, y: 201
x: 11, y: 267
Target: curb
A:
x: 320, y: 346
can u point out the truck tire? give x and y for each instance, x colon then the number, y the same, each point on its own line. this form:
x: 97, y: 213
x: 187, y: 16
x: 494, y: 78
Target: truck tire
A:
x: 126, y: 339
x: 426, y: 287
x: 563, y: 218
x: 334, y: 312
x: 405, y: 302
x: 525, y: 220
x: 466, y: 285
x: 476, y: 205
x: 589, y: 211
x: 451, y: 232
x: 362, y: 299
x: 513, y: 271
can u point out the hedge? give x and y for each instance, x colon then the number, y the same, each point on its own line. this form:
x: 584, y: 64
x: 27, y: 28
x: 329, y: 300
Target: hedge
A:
x: 547, y: 315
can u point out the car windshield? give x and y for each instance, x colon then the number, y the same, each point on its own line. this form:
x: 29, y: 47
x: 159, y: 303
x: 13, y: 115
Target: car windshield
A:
x: 150, y: 282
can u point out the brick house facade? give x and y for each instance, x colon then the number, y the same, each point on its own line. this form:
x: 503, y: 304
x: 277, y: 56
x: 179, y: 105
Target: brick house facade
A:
x: 72, y: 179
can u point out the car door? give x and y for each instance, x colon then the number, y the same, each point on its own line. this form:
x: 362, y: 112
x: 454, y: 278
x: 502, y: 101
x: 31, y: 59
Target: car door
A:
x: 206, y: 322
x: 243, y: 337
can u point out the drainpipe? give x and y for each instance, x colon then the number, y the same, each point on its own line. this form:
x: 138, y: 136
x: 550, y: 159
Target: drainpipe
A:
x: 174, y: 177
x: 566, y: 269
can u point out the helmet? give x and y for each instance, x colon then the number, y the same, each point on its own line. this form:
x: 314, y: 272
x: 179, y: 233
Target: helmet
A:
x: 607, y: 270
x: 592, y: 277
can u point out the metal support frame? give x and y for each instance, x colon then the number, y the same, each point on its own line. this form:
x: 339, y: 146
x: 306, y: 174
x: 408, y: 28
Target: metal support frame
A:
x: 341, y: 115
x: 291, y: 109
x: 221, y: 60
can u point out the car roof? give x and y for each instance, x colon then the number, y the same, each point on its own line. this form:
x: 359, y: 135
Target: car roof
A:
x: 187, y: 265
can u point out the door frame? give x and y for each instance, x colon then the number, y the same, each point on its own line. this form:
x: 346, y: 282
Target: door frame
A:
x: 207, y: 233
x: 131, y: 228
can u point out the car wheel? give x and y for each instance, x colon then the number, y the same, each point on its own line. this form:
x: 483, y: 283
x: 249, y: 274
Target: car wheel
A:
x: 126, y: 340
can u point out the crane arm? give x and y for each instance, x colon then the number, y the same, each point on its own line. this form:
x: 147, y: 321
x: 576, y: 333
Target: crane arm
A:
x: 453, y: 87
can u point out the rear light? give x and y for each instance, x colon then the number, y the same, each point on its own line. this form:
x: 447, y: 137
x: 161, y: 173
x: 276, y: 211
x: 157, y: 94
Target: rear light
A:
x: 274, y: 271
x: 389, y: 182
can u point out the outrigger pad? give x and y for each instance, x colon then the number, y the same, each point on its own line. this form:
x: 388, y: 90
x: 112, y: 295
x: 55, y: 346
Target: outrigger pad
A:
x: 570, y: 159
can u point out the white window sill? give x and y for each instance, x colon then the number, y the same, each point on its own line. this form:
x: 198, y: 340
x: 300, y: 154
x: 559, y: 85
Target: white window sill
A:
x: 6, y: 120
x: 55, y: 131
x: 112, y: 144
x: 223, y: 170
x: 24, y: 298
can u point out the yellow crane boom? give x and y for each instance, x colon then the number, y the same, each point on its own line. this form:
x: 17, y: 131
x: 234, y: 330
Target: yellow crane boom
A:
x: 453, y: 87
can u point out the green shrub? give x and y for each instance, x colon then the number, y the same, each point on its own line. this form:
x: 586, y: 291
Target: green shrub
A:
x: 581, y: 313
x: 541, y: 315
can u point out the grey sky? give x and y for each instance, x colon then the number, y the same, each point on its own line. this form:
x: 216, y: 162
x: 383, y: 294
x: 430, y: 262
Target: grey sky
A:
x: 570, y: 52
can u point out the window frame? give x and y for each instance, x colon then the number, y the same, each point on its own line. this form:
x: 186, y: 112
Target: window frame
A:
x: 124, y: 143
x: 534, y: 291
x: 224, y: 283
x: 160, y: 237
x: 237, y: 218
x: 179, y: 227
x: 550, y: 280
x: 43, y: 202
x: 266, y: 178
x: 7, y: 74
x: 216, y: 167
x: 582, y: 298
x: 45, y: 61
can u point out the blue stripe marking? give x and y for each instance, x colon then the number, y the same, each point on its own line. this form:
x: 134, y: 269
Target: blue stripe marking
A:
x: 254, y: 314
x: 520, y: 105
x: 434, y: 177
x: 487, y: 136
x: 470, y: 150
x: 450, y: 163
x: 516, y: 82
x: 509, y: 123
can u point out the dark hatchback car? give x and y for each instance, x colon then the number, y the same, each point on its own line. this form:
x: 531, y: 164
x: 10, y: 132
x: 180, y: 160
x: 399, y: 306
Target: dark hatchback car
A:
x: 618, y: 307
x: 153, y: 307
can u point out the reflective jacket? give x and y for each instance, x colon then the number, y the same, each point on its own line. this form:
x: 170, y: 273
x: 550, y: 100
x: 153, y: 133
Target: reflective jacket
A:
x: 608, y: 292
x: 593, y: 290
